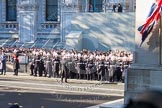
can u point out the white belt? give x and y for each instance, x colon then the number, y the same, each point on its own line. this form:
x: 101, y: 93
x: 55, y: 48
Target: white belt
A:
x: 56, y: 62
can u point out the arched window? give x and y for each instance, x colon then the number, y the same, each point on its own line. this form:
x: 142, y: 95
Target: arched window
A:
x: 51, y: 10
x: 95, y: 5
x: 11, y: 13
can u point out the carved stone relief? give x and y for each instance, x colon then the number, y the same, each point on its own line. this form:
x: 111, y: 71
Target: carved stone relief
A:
x: 69, y: 4
x: 27, y: 7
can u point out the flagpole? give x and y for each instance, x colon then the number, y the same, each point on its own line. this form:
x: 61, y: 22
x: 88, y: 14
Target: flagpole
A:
x: 160, y: 45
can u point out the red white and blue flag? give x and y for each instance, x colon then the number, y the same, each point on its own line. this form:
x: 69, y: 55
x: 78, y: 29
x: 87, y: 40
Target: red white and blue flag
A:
x: 151, y: 21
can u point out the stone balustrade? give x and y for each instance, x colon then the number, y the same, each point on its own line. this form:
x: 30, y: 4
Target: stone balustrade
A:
x: 50, y: 26
x: 9, y: 26
x: 44, y: 27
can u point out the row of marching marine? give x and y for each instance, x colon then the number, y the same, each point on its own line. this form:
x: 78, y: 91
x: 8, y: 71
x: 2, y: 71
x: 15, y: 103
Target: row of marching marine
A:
x: 103, y: 66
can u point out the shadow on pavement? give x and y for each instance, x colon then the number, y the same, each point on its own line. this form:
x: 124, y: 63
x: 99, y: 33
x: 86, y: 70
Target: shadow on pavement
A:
x: 52, y: 100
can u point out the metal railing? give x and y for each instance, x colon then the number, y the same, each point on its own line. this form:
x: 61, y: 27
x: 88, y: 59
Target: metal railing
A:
x: 45, y: 43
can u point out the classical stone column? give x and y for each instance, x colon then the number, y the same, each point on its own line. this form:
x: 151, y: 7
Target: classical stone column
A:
x: 86, y: 5
x: 146, y: 71
x: 68, y: 9
x: 131, y: 5
x: 27, y: 18
x: 1, y: 11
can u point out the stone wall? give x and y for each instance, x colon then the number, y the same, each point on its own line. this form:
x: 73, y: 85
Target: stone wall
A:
x: 105, y: 30
x: 141, y: 79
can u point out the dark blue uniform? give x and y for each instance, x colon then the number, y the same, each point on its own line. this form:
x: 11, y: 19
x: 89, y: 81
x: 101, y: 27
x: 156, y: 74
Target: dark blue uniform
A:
x: 56, y: 66
x: 64, y: 70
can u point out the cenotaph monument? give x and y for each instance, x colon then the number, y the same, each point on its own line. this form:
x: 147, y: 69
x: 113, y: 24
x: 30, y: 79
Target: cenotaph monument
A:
x: 146, y: 71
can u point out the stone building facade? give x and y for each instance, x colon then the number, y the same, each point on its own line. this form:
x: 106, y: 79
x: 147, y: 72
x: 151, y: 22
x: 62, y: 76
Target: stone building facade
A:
x: 28, y: 21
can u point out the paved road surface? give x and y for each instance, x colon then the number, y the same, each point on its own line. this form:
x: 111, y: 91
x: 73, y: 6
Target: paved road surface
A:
x: 41, y: 92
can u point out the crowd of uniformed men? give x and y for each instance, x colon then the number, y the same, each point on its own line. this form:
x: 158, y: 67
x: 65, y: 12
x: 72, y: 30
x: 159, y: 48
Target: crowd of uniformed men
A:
x: 90, y: 65
x: 97, y: 65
